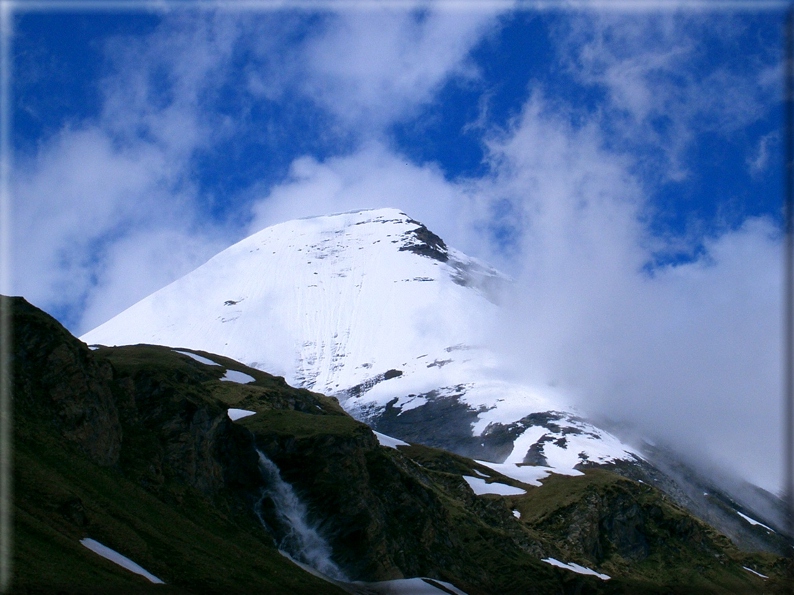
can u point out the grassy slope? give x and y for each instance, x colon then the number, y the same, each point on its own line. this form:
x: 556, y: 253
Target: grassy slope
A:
x: 195, y: 543
x: 191, y: 546
x: 685, y: 555
x: 200, y: 544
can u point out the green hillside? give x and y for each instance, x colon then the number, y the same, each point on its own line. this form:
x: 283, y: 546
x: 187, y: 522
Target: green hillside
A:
x: 132, y: 446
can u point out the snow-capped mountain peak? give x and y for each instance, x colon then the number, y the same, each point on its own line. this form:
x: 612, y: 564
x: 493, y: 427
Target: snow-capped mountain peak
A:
x: 329, y: 302
x: 376, y: 309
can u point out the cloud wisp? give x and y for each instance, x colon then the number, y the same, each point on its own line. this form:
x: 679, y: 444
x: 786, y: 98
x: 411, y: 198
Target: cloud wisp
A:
x: 687, y: 352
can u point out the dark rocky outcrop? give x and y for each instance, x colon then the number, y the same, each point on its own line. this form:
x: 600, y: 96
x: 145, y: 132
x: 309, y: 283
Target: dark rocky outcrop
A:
x: 424, y: 242
x: 57, y: 377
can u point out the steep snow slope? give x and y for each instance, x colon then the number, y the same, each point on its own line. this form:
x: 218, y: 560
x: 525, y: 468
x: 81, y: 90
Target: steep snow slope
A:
x: 329, y: 302
x: 376, y: 309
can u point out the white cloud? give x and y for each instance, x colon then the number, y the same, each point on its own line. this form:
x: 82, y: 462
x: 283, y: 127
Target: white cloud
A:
x: 768, y: 146
x: 662, y: 88
x: 83, y: 207
x: 372, y: 67
x: 142, y: 262
x: 93, y: 205
x: 690, y: 353
x: 162, y: 88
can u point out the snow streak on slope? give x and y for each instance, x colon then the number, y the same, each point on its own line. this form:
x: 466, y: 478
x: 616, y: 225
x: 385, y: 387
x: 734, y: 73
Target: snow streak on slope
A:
x: 376, y: 309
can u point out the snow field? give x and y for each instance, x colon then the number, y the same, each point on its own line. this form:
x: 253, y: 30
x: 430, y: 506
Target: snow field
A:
x: 332, y: 302
x: 480, y: 487
x: 117, y: 558
x: 573, y: 567
x: 389, y: 441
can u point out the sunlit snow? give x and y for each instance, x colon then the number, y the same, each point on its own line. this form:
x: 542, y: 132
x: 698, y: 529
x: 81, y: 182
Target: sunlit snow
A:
x: 238, y: 377
x: 754, y: 522
x: 348, y: 309
x: 198, y: 358
x: 754, y: 572
x: 389, y: 441
x: 235, y: 414
x: 574, y: 567
x: 117, y: 558
x: 480, y: 487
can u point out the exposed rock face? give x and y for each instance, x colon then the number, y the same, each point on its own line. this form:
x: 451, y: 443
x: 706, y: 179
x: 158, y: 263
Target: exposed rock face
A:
x: 424, y: 242
x: 57, y: 376
x: 181, y: 438
x: 143, y: 420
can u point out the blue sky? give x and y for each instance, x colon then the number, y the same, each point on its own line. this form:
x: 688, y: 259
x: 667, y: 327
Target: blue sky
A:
x: 623, y: 166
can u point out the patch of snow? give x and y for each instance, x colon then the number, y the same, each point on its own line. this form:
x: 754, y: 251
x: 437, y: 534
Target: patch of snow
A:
x: 574, y: 567
x: 235, y: 414
x: 754, y: 522
x: 389, y: 441
x: 504, y: 402
x: 94, y: 347
x: 517, y: 514
x: 198, y: 358
x: 117, y: 558
x: 480, y: 487
x: 528, y: 474
x: 754, y: 572
x: 524, y: 442
x: 408, y: 586
x: 481, y: 474
x: 408, y: 403
x: 238, y: 377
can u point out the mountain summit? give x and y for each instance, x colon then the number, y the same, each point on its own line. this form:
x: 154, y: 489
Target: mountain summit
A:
x: 327, y: 301
x: 374, y: 309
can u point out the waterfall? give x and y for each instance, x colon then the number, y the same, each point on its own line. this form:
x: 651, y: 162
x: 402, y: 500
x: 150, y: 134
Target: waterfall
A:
x: 300, y: 541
